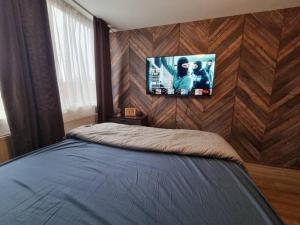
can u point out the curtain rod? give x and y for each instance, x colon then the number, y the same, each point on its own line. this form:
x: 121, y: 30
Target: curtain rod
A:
x: 77, y: 3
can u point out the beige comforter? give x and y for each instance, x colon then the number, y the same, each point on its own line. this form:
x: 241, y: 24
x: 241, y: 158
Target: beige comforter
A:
x: 179, y: 141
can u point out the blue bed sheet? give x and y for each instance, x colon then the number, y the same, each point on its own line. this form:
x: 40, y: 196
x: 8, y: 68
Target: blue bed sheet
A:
x: 81, y: 183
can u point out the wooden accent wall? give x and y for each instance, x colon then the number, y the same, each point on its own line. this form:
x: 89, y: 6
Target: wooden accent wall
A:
x: 256, y: 97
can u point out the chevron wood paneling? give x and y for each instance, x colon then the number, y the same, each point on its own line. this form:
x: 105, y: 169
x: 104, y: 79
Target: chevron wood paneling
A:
x: 194, y: 37
x: 225, y: 40
x: 193, y: 40
x: 140, y: 48
x: 165, y: 42
x: 262, y: 33
x: 256, y: 99
x: 119, y: 49
x: 282, y: 136
x: 222, y: 36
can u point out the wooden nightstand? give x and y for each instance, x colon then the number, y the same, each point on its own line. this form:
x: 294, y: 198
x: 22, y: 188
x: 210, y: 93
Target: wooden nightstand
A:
x: 137, y: 120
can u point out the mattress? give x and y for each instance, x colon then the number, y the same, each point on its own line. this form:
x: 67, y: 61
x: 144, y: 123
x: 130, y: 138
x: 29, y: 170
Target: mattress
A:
x: 77, y: 182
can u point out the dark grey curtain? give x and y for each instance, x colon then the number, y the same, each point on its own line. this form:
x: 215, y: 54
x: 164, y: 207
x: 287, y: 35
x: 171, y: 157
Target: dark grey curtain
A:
x: 103, y: 70
x: 27, y: 75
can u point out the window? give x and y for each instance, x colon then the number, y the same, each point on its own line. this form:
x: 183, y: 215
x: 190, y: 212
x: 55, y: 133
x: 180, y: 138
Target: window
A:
x: 73, y: 43
x: 4, y: 130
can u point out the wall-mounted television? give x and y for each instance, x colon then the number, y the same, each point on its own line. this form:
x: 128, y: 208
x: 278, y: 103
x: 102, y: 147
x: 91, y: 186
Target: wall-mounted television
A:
x: 181, y: 75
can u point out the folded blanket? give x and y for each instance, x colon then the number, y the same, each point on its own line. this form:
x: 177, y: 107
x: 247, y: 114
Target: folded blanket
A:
x: 179, y: 141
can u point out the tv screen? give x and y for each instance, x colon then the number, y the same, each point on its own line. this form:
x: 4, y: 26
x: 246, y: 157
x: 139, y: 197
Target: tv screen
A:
x: 181, y: 75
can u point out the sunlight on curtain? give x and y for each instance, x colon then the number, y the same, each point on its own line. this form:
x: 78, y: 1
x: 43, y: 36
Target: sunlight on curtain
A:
x: 2, y: 111
x: 73, y: 42
x: 4, y: 130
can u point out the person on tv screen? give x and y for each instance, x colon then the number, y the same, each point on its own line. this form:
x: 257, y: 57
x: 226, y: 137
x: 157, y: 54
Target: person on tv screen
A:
x: 209, y: 71
x: 181, y: 77
x: 201, y: 79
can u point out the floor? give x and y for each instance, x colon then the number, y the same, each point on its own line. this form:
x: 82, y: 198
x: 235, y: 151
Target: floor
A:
x: 282, y: 189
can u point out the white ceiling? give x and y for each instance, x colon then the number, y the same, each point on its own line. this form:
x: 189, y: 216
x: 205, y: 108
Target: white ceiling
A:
x: 132, y: 14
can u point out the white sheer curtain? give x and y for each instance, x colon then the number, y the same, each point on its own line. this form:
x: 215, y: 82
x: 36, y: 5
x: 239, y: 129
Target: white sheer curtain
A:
x: 4, y: 130
x: 73, y: 43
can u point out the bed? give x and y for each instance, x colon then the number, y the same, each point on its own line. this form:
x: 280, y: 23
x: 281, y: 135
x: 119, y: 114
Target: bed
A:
x: 82, y: 182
